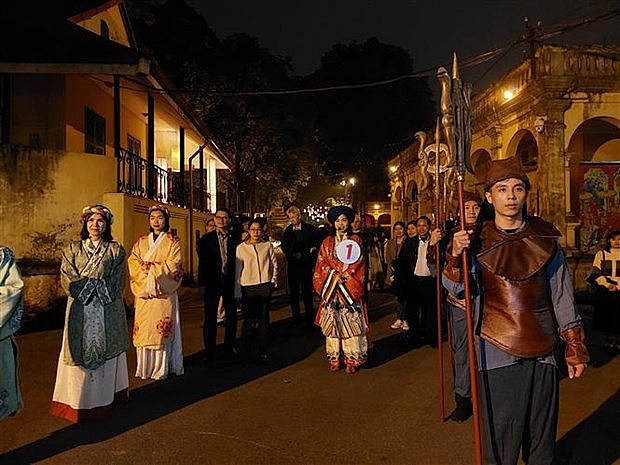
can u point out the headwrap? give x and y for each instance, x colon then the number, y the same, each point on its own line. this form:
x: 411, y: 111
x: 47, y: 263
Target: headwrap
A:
x: 335, y: 212
x: 498, y: 170
x: 100, y: 209
x: 161, y: 208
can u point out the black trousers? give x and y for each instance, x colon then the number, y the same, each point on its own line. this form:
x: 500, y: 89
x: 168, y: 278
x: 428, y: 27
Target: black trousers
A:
x: 300, y: 275
x: 255, y: 304
x: 520, y: 413
x: 422, y: 309
x: 209, y: 327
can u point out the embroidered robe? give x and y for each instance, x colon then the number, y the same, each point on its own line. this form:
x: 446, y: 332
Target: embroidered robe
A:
x: 95, y: 320
x: 330, y: 272
x: 155, y: 301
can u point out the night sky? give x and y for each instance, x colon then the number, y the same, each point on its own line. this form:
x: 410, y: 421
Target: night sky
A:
x: 429, y: 29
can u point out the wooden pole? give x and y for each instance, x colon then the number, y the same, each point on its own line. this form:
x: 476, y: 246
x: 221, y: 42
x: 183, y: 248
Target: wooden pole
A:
x: 471, y: 350
x: 438, y: 285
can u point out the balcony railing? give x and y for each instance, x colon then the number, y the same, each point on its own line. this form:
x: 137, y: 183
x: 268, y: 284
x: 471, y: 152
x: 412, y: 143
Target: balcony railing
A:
x: 133, y: 174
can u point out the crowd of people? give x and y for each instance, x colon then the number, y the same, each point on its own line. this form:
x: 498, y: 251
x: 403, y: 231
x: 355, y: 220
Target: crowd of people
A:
x: 522, y: 304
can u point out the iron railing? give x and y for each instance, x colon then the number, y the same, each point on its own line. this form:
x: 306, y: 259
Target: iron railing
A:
x: 133, y: 174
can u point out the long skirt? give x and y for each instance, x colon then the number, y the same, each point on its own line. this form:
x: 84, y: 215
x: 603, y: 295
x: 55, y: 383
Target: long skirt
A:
x: 158, y: 363
x: 81, y: 394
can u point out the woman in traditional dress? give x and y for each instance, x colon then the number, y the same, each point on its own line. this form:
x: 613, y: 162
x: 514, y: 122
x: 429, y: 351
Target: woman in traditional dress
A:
x: 92, y: 367
x: 11, y: 287
x: 339, y: 280
x: 605, y: 277
x: 155, y: 272
x: 256, y: 275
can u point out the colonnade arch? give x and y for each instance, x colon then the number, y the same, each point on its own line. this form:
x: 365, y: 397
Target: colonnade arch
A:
x: 594, y: 152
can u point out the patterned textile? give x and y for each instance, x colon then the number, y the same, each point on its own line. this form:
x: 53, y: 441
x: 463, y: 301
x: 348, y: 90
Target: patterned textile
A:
x: 155, y: 290
x: 11, y: 307
x: 95, y: 324
x: 100, y: 209
x: 342, y: 314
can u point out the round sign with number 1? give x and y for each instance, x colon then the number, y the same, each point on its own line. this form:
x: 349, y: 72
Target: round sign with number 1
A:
x: 348, y: 251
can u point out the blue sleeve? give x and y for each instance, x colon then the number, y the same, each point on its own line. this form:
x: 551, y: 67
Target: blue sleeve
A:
x: 562, y: 293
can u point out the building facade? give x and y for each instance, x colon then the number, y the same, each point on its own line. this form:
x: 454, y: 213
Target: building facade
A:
x: 559, y: 112
x: 86, y: 119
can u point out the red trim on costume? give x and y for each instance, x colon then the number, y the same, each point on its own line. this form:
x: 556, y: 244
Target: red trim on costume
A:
x: 78, y: 415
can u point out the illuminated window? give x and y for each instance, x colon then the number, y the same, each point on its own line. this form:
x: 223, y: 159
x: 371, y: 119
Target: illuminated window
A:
x: 134, y: 145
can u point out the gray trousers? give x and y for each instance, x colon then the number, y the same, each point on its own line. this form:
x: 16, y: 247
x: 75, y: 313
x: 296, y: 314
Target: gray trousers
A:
x: 458, y: 323
x: 520, y: 412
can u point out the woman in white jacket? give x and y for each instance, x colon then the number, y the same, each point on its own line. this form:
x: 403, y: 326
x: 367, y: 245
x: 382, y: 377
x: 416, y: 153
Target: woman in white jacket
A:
x: 256, y: 275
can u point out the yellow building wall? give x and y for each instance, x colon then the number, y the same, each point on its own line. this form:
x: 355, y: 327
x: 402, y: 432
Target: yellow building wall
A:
x: 84, y: 92
x: 597, y: 105
x: 113, y: 18
x: 88, y: 92
x: 37, y: 111
x: 43, y: 196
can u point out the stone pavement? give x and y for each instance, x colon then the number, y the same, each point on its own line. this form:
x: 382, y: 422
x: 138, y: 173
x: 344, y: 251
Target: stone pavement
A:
x: 291, y: 409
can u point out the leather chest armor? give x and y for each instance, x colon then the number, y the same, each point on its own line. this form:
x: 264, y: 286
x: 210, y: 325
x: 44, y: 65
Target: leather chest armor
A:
x: 517, y: 312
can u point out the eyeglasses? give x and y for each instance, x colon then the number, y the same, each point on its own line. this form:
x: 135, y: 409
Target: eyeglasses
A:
x: 221, y: 217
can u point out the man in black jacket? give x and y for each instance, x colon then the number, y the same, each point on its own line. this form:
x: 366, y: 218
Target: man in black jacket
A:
x: 216, y: 274
x: 417, y: 274
x: 300, y: 244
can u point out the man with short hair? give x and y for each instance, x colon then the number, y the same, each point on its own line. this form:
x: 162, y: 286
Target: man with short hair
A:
x: 300, y: 243
x: 458, y: 323
x: 216, y: 278
x: 524, y: 299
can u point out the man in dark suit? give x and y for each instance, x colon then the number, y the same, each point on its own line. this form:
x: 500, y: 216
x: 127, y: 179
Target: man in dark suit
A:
x: 216, y: 275
x: 416, y: 271
x: 300, y: 245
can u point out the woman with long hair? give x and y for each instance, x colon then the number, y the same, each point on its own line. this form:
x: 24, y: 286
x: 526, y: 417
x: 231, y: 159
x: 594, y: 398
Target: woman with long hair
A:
x: 339, y: 278
x: 155, y: 272
x: 92, y: 367
x: 256, y: 275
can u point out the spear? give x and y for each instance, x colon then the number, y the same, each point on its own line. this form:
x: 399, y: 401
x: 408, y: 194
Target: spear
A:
x: 455, y: 109
x: 438, y: 221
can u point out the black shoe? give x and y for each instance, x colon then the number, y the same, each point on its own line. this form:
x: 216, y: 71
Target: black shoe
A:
x: 231, y: 352
x: 463, y: 409
x: 263, y: 357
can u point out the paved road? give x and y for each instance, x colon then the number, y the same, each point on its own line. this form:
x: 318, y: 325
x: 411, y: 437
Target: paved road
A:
x: 291, y: 409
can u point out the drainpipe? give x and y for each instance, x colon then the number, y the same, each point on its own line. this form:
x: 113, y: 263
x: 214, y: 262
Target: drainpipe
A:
x: 192, y: 246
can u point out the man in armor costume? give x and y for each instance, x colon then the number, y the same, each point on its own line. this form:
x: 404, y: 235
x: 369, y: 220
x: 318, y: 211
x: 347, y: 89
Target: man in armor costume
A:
x: 523, y: 301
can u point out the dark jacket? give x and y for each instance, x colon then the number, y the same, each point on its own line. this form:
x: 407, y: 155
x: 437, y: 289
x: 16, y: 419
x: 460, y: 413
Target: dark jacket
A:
x: 210, y: 259
x: 404, y: 265
x: 302, y: 245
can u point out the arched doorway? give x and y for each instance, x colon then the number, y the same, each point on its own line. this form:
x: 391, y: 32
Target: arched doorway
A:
x: 595, y: 179
x: 413, y: 197
x: 479, y: 162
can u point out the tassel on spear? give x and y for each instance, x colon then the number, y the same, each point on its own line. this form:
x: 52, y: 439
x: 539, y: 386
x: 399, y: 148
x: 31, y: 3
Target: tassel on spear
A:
x: 455, y: 110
